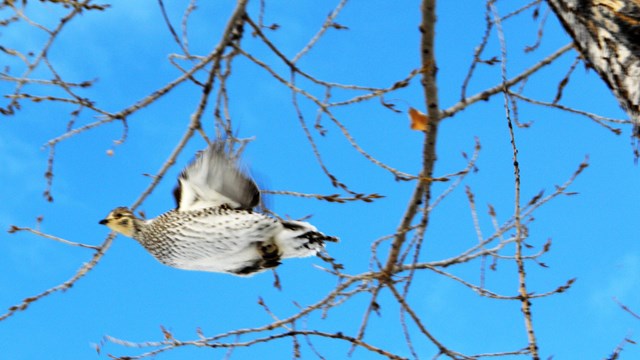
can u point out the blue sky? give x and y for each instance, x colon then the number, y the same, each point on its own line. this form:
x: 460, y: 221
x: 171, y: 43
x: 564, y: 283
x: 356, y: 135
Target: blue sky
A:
x: 129, y: 295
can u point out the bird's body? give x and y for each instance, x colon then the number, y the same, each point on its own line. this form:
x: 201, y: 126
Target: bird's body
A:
x: 214, y: 227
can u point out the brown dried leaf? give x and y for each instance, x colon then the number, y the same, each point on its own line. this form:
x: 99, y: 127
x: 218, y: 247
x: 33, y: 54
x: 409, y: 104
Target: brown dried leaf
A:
x: 419, y: 120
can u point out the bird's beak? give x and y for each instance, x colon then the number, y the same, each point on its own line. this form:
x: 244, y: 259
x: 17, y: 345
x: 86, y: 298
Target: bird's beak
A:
x: 103, y: 222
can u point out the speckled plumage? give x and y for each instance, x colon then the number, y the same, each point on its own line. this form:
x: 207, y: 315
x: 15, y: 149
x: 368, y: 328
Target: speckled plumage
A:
x: 213, y: 228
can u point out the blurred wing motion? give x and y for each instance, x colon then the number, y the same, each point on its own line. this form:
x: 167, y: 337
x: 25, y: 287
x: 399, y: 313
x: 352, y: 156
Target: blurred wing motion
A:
x: 214, y: 179
x: 607, y: 33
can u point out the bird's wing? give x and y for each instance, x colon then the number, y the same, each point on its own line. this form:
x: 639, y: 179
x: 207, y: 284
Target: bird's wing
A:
x: 214, y: 179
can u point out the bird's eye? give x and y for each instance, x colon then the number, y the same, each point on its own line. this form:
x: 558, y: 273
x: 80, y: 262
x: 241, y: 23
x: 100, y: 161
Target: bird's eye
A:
x: 117, y: 215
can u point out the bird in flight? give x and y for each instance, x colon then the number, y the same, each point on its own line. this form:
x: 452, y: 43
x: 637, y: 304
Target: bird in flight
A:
x: 214, y: 227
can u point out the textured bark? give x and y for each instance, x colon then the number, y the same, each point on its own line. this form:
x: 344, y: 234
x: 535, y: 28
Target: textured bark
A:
x: 607, y: 33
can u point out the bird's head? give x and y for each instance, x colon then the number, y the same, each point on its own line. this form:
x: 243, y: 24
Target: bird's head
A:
x: 121, y: 220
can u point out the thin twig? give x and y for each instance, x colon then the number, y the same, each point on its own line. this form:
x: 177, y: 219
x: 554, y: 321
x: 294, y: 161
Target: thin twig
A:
x: 327, y: 24
x: 486, y: 94
x: 84, y: 270
x: 52, y: 237
x: 520, y: 236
